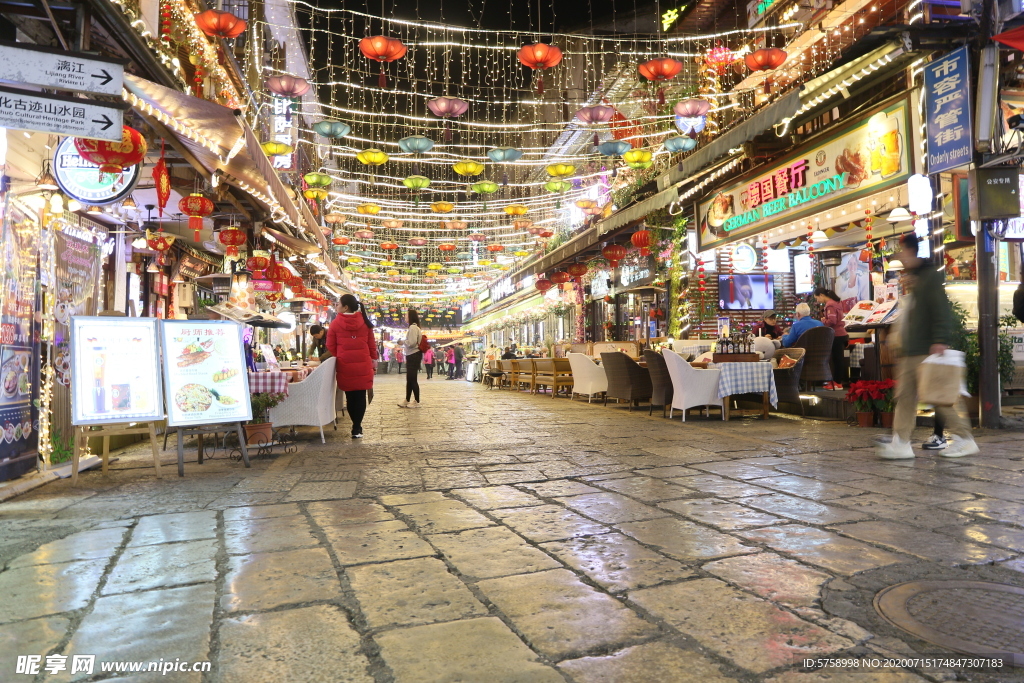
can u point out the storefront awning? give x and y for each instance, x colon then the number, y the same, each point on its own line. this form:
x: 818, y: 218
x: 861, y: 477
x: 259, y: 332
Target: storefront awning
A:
x: 638, y: 210
x: 293, y: 243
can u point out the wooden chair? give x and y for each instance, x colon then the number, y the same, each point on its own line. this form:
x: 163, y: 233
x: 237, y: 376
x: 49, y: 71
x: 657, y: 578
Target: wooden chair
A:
x: 787, y: 381
x: 626, y: 379
x: 543, y: 375
x: 563, y: 376
x: 661, y: 382
x: 817, y: 342
x: 506, y: 369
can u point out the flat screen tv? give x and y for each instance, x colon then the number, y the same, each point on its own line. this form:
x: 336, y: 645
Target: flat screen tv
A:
x: 746, y: 292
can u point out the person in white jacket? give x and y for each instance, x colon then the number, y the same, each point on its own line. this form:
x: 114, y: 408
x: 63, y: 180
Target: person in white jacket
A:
x: 413, y: 358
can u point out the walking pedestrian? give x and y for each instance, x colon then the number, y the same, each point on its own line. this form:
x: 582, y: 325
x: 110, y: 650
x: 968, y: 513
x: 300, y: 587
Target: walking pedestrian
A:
x: 925, y: 329
x: 449, y: 360
x: 460, y: 354
x: 413, y: 357
x: 833, y: 318
x: 350, y: 339
x: 428, y: 361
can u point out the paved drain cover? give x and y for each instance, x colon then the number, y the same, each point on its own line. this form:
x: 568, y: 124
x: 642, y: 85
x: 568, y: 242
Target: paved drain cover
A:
x: 972, y: 617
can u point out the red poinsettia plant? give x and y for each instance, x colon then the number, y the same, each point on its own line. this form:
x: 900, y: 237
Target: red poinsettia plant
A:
x: 869, y: 395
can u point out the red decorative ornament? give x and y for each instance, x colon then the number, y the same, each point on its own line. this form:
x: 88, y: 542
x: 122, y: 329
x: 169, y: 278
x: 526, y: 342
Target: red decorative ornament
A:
x: 162, y: 182
x: 614, y: 253
x: 278, y: 273
x: 810, y: 238
x: 388, y: 246
x: 543, y: 284
x: 538, y: 57
x: 382, y: 49
x: 113, y: 157
x: 196, y: 207
x: 220, y: 24
x: 559, y: 277
x: 765, y: 59
x: 546, y: 233
x: 641, y: 239
x: 577, y: 270
x: 660, y: 70
x: 446, y: 247
x: 158, y: 241
x: 257, y: 264
x: 231, y: 238
x: 165, y: 21
x: 342, y: 240
x: 495, y: 248
x: 719, y: 58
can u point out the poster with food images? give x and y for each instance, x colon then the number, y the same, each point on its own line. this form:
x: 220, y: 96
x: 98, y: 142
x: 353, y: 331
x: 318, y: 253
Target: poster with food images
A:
x: 115, y: 370
x: 204, y: 372
x: 854, y: 162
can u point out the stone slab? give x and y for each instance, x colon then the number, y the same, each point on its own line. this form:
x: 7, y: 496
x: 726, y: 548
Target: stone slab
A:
x: 806, y: 511
x: 720, y: 514
x: 441, y: 516
x: 167, y: 564
x: 685, y: 540
x: 267, y: 580
x: 85, y: 545
x: 183, y: 526
x: 772, y: 577
x: 44, y: 589
x: 354, y: 511
x: 922, y: 543
x: 491, y: 497
x: 548, y: 523
x: 268, y: 534
x: 823, y: 549
x: 490, y: 552
x: 617, y: 562
x: 656, y: 662
x: 611, y: 508
x: 375, y: 542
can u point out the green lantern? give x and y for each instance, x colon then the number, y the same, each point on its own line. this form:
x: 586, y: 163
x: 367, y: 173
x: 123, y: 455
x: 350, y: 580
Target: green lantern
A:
x: 316, y: 179
x: 557, y: 186
x: 416, y: 183
x: 484, y: 187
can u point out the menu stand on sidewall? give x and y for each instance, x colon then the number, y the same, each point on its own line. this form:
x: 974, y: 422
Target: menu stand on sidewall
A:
x: 85, y: 432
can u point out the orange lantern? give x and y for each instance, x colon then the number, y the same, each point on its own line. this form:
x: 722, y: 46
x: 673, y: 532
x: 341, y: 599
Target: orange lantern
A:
x: 446, y: 247
x: 388, y: 246
x: 196, y: 207
x: 522, y: 224
x: 559, y: 277
x: 341, y: 239
x: 543, y: 285
x: 231, y: 238
x: 538, y: 57
x: 614, y: 253
x: 220, y: 24
x: 641, y: 239
x: 382, y: 49
x: 113, y: 157
x: 495, y: 248
x: 660, y: 70
x: 765, y: 59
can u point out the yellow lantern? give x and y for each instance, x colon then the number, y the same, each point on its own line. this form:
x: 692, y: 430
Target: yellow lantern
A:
x: 354, y: 259
x: 520, y: 253
x: 585, y: 203
x: 372, y: 157
x: 391, y: 273
x: 274, y: 148
x: 516, y: 209
x: 560, y: 170
x: 637, y: 158
x: 442, y: 207
x: 485, y: 262
x: 434, y: 266
x: 315, y: 193
x: 368, y: 209
x: 386, y: 263
x: 468, y: 167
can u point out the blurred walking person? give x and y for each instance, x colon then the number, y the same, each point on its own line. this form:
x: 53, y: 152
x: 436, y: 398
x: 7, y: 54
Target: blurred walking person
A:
x: 428, y: 361
x: 413, y: 358
x: 350, y: 339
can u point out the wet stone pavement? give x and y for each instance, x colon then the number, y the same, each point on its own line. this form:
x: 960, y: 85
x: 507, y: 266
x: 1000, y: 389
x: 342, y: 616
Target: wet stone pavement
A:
x: 497, y: 537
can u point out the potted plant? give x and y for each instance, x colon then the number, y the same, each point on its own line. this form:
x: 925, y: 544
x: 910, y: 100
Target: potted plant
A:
x: 258, y: 430
x: 859, y: 395
x: 886, y: 403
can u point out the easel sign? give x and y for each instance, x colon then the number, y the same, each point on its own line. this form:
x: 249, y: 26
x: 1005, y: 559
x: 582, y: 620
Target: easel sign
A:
x: 204, y: 372
x: 269, y: 357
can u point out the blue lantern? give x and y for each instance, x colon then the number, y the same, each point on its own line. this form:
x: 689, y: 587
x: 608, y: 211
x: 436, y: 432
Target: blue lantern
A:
x: 680, y: 143
x: 416, y: 144
x: 504, y: 155
x: 332, y: 129
x: 613, y: 148
x: 691, y: 124
x: 463, y: 256
x: 409, y: 257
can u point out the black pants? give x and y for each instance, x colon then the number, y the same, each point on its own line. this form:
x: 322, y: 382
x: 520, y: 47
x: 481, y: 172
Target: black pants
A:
x: 356, y: 402
x: 430, y: 369
x: 451, y: 371
x: 840, y: 369
x: 412, y: 368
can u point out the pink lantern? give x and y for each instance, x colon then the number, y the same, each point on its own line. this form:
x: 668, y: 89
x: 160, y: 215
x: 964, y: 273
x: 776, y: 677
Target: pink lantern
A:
x: 417, y: 241
x: 478, y: 237
x: 598, y: 113
x: 692, y: 108
x: 447, y: 108
x: 454, y: 225
x: 364, y: 234
x: 288, y: 86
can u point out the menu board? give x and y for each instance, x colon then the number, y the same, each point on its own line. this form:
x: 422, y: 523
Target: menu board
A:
x: 269, y: 357
x: 115, y: 373
x: 204, y: 372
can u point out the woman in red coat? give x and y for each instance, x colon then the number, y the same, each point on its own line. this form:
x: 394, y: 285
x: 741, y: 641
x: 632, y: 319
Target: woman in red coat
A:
x: 350, y: 339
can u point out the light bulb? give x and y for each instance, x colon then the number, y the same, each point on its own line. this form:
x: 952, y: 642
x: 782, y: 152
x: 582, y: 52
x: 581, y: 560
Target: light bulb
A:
x: 74, y: 205
x: 56, y: 203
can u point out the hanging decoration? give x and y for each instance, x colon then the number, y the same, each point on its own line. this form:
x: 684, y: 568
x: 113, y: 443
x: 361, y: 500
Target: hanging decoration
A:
x: 516, y: 209
x: 764, y: 259
x: 113, y: 157
x: 614, y: 253
x: 442, y: 207
x: 560, y: 170
x: 559, y: 277
x: 467, y: 168
x: 161, y: 183
x: 274, y: 148
x: 447, y: 108
x: 289, y: 87
x: 504, y: 155
x: 220, y: 24
x: 659, y: 71
x: 543, y: 285
x: 538, y: 57
x: 680, y: 143
x: 392, y: 223
x: 332, y: 130
x: 368, y: 209
x: 382, y: 49
x: 765, y: 59
x: 258, y: 263
x: 232, y: 238
x: 641, y: 239
x: 558, y: 187
x: 638, y: 158
x: 596, y: 115
x: 416, y: 145
x: 196, y: 207
x: 719, y: 58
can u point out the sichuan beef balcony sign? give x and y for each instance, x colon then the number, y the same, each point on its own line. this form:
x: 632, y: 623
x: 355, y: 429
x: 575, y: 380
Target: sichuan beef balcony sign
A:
x: 947, y: 87
x: 860, y: 159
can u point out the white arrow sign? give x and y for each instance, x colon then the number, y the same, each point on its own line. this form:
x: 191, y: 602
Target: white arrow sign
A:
x: 21, y: 110
x: 49, y: 68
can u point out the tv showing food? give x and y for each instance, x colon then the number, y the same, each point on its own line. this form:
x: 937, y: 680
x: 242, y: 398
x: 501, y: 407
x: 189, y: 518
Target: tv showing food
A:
x: 746, y: 292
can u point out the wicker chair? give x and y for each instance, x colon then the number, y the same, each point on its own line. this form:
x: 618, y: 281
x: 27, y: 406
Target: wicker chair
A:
x: 626, y: 379
x: 661, y: 381
x: 588, y: 378
x: 787, y: 381
x: 310, y: 402
x: 693, y: 388
x: 817, y: 342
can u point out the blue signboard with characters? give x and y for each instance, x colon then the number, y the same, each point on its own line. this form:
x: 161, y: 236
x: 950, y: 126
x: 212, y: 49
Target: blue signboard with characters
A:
x: 947, y: 83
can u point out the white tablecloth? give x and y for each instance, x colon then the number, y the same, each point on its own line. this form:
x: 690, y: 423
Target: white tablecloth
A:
x: 747, y: 378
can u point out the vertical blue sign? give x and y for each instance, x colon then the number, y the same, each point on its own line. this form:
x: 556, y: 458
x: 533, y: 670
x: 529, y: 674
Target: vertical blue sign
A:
x: 947, y: 84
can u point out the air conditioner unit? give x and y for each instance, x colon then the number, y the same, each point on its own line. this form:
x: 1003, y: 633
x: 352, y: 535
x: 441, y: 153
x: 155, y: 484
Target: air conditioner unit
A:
x: 184, y: 295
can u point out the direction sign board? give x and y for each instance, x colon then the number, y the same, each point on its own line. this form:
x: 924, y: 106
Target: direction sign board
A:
x: 22, y: 110
x: 49, y: 68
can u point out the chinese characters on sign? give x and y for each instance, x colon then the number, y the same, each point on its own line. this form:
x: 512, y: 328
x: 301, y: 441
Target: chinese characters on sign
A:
x: 947, y: 85
x: 284, y: 126
x: 61, y: 115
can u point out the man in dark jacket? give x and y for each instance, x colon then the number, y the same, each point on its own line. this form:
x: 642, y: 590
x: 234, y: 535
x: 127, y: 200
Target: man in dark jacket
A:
x: 460, y: 353
x: 926, y: 328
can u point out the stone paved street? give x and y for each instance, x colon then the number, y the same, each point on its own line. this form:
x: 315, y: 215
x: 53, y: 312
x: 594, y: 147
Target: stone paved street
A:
x: 494, y: 537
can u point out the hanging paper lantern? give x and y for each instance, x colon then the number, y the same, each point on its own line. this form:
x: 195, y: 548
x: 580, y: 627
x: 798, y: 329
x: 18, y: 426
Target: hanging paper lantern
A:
x: 637, y: 158
x: 317, y: 179
x: 559, y: 277
x: 467, y: 167
x: 495, y: 248
x: 278, y: 273
x: 545, y: 233
x: 329, y: 128
x: 538, y: 57
x: 288, y: 86
x: 258, y: 262
x: 641, y: 239
x: 719, y: 58
x: 577, y: 270
x: 388, y: 246
x: 416, y: 182
x: 159, y: 241
x: 382, y: 49
x: 613, y: 148
x: 520, y: 253
x: 501, y: 155
x: 368, y: 209
x: 392, y: 223
x: 454, y: 225
x: 340, y: 240
x: 315, y: 194
x: 765, y: 59
x: 274, y: 148
x: 447, y: 108
x: 522, y: 224
x: 516, y: 209
x: 196, y: 207
x: 334, y: 218
x: 593, y: 211
x: 599, y: 113
x: 416, y: 144
x: 660, y: 69
x: 691, y: 108
x: 442, y: 207
x: 417, y: 241
x: 543, y: 284
x: 434, y: 266
x: 680, y: 143
x: 114, y: 157
x: 557, y: 186
x: 560, y: 170
x: 231, y: 238
x: 372, y: 157
x: 220, y: 24
x: 584, y: 203
x: 364, y: 234
x: 614, y: 253
x: 484, y: 187
x: 478, y: 237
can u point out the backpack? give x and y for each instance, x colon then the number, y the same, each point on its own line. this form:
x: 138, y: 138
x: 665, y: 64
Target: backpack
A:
x: 424, y: 344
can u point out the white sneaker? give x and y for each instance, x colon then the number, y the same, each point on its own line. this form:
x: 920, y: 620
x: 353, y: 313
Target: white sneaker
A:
x: 403, y: 404
x: 895, y: 450
x: 961, y: 447
x: 414, y: 404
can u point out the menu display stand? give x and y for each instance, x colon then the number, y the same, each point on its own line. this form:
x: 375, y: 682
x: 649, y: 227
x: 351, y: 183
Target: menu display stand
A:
x: 85, y: 432
x: 199, y: 431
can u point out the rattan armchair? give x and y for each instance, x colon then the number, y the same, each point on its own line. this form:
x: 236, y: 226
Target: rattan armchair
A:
x: 661, y: 381
x: 626, y: 379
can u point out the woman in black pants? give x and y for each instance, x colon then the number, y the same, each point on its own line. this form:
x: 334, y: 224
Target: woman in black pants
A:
x: 413, y: 357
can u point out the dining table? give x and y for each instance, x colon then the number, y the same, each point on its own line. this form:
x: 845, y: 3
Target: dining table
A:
x: 747, y: 378
x: 276, y: 381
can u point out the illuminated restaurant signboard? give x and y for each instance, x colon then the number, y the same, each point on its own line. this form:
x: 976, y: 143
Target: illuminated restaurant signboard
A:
x: 855, y: 161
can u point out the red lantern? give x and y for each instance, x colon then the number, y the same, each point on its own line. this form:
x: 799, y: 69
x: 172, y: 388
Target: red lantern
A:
x: 232, y: 238
x: 382, y: 49
x: 220, y: 24
x: 660, y: 70
x: 158, y: 241
x: 577, y: 270
x: 543, y: 285
x: 641, y: 239
x: 298, y: 290
x: 447, y: 247
x: 342, y: 240
x: 495, y: 248
x: 765, y: 59
x: 113, y: 157
x: 278, y: 273
x: 559, y: 277
x: 196, y: 207
x: 545, y: 233
x: 614, y: 253
x: 719, y: 58
x: 257, y: 264
x: 388, y: 246
x: 161, y: 182
x: 540, y: 56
